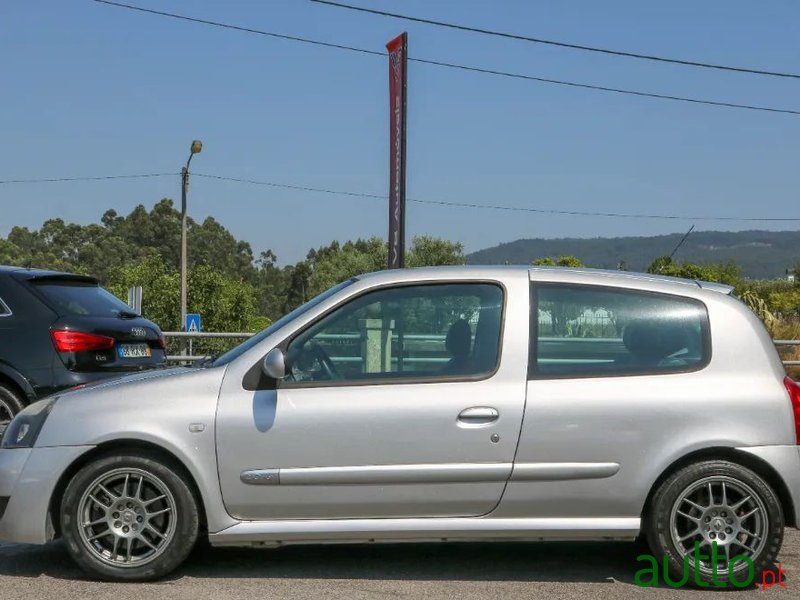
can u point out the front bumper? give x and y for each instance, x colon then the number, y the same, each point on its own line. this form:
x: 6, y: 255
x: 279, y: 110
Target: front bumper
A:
x: 28, y: 477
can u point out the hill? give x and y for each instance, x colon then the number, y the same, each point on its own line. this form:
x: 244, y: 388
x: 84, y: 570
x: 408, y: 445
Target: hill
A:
x: 761, y: 254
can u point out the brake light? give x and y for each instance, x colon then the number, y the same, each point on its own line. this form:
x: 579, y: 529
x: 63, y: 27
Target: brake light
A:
x: 794, y: 396
x: 80, y: 341
x: 161, y: 341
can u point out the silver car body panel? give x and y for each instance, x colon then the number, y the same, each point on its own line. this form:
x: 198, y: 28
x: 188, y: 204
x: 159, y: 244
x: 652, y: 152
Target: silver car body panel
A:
x: 161, y: 408
x: 647, y: 422
x: 427, y: 473
x: 29, y: 477
x: 378, y: 434
x: 576, y: 458
x: 785, y: 460
x: 287, y: 532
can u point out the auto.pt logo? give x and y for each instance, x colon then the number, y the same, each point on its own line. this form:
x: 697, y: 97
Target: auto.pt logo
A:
x: 740, y: 571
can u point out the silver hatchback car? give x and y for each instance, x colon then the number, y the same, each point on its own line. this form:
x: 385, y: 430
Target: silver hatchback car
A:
x: 442, y: 404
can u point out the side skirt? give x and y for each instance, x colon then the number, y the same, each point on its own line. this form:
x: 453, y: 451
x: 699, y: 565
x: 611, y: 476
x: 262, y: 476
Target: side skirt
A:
x: 343, y: 531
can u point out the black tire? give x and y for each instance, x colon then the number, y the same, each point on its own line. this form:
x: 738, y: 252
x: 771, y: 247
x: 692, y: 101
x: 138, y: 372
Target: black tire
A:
x: 658, y: 524
x: 10, y: 403
x: 183, y: 530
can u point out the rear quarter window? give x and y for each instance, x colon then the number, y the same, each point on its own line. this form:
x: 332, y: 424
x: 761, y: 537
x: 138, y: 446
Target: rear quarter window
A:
x: 592, y: 331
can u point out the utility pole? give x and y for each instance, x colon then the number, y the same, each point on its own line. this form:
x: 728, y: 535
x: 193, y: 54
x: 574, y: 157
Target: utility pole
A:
x: 196, y: 147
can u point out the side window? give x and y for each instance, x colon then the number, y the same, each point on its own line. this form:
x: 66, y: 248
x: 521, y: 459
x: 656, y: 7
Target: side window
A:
x: 595, y: 331
x: 409, y: 332
x: 4, y: 310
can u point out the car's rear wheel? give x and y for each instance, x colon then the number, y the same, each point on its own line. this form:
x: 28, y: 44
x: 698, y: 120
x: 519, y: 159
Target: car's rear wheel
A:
x: 715, y: 520
x: 10, y: 405
x: 129, y: 517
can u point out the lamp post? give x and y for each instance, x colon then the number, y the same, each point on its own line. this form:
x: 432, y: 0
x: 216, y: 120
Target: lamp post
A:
x: 195, y: 148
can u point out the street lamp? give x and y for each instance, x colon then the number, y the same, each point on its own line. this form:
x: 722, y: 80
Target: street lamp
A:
x: 195, y: 148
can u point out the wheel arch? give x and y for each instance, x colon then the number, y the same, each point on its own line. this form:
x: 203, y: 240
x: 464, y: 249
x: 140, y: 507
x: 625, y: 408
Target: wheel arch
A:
x: 762, y: 468
x: 12, y: 378
x: 115, y: 447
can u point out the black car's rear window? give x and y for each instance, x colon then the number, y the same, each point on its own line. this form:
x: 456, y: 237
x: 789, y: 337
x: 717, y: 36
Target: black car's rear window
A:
x: 81, y: 298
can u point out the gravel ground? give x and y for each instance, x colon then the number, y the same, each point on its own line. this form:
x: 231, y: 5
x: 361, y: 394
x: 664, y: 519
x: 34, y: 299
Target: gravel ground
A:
x: 595, y: 570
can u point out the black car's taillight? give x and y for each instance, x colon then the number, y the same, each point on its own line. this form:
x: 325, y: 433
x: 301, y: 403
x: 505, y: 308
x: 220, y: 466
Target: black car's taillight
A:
x: 66, y: 340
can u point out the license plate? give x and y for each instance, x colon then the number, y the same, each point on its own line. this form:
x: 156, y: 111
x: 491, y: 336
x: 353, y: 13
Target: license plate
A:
x: 133, y: 351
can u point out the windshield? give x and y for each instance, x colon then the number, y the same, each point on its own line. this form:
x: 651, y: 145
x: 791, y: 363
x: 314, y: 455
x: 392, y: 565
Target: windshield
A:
x: 263, y: 334
x: 83, y: 299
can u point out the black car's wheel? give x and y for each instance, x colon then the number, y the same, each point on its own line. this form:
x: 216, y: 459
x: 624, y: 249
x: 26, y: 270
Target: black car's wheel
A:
x: 10, y: 405
x: 715, y: 520
x: 129, y: 517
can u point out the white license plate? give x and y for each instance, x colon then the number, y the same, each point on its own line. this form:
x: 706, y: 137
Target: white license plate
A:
x: 133, y: 351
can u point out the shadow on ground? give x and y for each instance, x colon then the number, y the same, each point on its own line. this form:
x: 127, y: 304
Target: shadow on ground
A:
x: 543, y: 562
x: 592, y: 562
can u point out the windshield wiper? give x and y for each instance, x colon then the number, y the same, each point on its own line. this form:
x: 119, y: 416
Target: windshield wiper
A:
x: 127, y: 314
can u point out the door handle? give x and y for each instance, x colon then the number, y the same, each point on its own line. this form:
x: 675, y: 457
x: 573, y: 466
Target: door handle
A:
x: 478, y: 414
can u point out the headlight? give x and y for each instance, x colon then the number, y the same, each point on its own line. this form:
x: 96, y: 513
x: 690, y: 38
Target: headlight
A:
x: 24, y: 429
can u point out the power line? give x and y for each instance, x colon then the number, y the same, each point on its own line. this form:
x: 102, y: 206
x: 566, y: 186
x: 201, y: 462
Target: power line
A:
x: 104, y: 177
x: 281, y: 36
x: 524, y: 38
x: 454, y: 65
x: 288, y: 186
x: 496, y: 206
x: 475, y: 205
x: 610, y: 89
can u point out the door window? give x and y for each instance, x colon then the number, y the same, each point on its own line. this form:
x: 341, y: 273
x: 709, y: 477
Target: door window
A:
x: 402, y: 333
x: 595, y: 331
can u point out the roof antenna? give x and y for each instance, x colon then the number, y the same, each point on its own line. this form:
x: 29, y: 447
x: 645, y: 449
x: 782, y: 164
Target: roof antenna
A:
x: 683, y: 239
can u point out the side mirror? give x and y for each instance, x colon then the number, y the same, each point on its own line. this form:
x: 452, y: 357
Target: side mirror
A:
x: 274, y: 364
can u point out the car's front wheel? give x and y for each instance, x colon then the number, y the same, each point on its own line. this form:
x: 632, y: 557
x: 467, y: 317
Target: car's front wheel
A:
x: 129, y: 517
x: 715, y: 523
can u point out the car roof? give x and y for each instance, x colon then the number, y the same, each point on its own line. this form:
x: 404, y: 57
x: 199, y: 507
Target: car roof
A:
x: 30, y: 273
x: 621, y: 277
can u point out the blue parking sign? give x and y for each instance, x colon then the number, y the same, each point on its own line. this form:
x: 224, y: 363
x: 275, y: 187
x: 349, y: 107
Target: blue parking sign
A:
x: 193, y: 323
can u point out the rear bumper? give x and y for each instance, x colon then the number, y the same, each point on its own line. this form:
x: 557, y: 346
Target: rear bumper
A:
x: 786, y: 462
x: 28, y: 477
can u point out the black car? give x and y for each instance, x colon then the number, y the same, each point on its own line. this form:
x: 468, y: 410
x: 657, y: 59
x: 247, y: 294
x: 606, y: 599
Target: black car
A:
x: 59, y: 330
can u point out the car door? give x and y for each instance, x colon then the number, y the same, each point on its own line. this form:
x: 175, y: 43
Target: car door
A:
x: 403, y: 400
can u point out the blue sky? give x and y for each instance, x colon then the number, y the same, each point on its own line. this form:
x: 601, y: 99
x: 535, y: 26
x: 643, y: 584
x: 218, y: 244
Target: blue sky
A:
x: 89, y: 89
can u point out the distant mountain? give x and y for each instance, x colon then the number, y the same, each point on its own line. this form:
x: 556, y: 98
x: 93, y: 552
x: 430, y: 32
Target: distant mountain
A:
x: 761, y: 254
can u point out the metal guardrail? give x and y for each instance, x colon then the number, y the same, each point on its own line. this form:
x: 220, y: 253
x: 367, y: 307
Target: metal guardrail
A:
x: 200, y: 335
x: 785, y: 343
x: 207, y: 335
x: 244, y: 335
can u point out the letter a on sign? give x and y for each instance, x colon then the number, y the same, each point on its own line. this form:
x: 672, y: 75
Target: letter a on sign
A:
x: 193, y: 323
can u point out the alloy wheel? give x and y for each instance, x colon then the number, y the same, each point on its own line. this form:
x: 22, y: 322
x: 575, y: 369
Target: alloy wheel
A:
x: 719, y: 510
x: 127, y: 517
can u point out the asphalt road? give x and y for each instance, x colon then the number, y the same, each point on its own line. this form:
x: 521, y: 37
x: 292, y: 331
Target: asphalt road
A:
x: 485, y: 571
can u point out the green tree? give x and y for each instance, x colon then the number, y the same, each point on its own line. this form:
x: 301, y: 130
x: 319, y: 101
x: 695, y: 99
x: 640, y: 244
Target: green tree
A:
x: 729, y: 272
x: 329, y: 265
x: 226, y: 304
x: 429, y: 251
x: 96, y: 249
x: 561, y: 261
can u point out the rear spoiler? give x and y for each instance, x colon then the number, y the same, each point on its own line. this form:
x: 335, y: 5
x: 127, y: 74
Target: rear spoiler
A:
x: 62, y: 278
x: 722, y: 288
